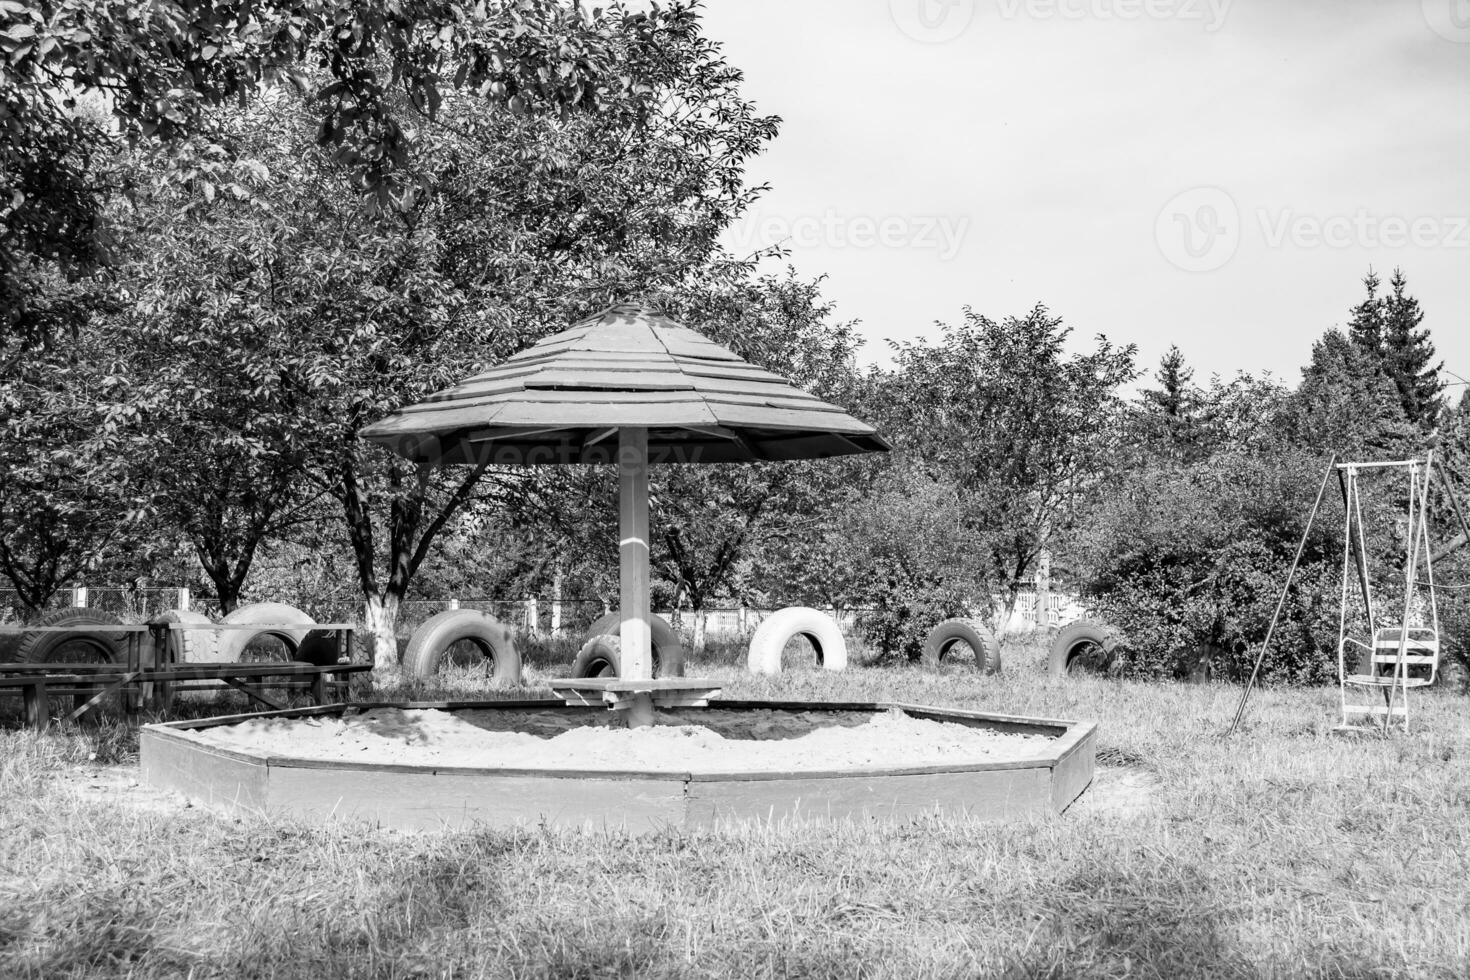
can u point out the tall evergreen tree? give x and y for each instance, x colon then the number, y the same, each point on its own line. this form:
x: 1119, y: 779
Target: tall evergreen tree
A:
x: 1408, y: 356
x: 1347, y: 404
x: 1365, y: 329
x: 1170, y: 412
x: 1386, y: 330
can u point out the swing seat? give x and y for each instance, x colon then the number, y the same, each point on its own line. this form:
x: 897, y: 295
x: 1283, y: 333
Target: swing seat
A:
x: 1421, y: 654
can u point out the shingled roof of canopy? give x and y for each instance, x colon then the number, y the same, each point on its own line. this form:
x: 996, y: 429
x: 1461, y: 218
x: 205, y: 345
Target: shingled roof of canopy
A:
x: 563, y: 399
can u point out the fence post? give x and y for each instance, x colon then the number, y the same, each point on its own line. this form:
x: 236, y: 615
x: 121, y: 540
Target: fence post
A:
x: 453, y: 603
x: 742, y: 619
x: 1043, y: 592
x: 533, y: 616
x: 556, y: 583
x: 183, y: 597
x: 79, y: 596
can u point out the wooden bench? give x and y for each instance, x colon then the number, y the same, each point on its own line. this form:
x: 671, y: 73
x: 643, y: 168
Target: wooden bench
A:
x: 36, y: 683
x: 152, y: 671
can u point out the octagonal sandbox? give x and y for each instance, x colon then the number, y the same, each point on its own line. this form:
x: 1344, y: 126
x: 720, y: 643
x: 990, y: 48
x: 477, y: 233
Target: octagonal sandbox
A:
x: 209, y: 761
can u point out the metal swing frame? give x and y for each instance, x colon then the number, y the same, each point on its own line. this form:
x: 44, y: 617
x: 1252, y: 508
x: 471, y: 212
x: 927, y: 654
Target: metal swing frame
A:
x: 1391, y: 660
x: 1389, y: 654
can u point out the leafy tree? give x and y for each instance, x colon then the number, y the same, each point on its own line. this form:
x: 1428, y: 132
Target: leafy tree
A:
x: 372, y: 74
x: 520, y: 225
x: 66, y: 500
x: 911, y: 542
x: 1023, y: 428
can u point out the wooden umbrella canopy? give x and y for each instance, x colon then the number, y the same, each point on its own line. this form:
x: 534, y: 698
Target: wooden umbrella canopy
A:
x: 628, y: 386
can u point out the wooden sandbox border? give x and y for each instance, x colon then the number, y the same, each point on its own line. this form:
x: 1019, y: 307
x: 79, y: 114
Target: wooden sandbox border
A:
x: 417, y: 797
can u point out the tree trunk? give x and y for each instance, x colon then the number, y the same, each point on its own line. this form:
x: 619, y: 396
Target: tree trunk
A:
x: 380, y: 617
x: 700, y: 622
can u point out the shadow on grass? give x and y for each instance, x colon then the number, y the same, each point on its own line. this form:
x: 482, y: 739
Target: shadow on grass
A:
x: 1129, y: 918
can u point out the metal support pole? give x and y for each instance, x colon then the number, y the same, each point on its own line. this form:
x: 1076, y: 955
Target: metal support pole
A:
x: 636, y: 635
x: 1281, y: 603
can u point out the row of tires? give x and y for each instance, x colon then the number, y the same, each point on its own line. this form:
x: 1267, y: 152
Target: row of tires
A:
x: 91, y: 636
x: 466, y: 636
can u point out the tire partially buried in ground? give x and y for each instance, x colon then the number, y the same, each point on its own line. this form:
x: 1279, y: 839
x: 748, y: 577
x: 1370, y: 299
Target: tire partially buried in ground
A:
x: 943, y: 639
x: 780, y: 628
x: 276, y: 619
x: 1083, y: 647
x: 491, y: 643
x: 668, y: 652
x: 602, y: 656
x: 89, y: 643
x: 199, y: 646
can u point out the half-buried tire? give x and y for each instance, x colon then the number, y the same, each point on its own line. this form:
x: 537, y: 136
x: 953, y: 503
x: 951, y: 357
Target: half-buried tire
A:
x: 602, y: 656
x: 196, y: 646
x: 286, y: 623
x: 90, y: 642
x: 780, y: 628
x: 1083, y: 647
x: 490, y: 641
x: 668, y: 652
x: 948, y: 637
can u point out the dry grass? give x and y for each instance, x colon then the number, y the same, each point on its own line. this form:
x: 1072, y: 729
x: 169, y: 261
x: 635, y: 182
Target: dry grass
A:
x: 1286, y: 851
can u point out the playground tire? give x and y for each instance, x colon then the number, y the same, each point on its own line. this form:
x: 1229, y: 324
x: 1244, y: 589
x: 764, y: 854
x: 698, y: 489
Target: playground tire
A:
x: 779, y: 628
x: 432, y: 640
x: 199, y: 646
x: 1081, y: 647
x: 319, y: 647
x: 668, y: 652
x: 232, y: 643
x: 99, y: 644
x: 602, y: 656
x: 971, y: 633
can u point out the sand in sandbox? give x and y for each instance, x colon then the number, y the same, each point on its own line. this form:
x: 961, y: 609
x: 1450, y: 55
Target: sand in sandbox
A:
x: 758, y: 740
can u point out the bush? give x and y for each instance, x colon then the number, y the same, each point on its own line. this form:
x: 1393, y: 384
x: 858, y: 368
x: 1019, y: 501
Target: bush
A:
x: 1188, y: 557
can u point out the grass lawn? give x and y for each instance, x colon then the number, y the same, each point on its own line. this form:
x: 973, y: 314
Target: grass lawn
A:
x: 1285, y: 851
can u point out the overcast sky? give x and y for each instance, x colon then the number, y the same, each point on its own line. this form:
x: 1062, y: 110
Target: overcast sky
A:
x: 1217, y: 174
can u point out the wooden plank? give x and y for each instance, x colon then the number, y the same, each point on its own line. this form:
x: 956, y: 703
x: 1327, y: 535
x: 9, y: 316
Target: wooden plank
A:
x: 449, y: 800
x: 613, y: 380
x: 741, y: 416
x: 985, y: 795
x: 625, y: 335
x: 735, y: 372
x: 1073, y: 772
x: 210, y: 775
x: 683, y: 342
x: 590, y: 416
